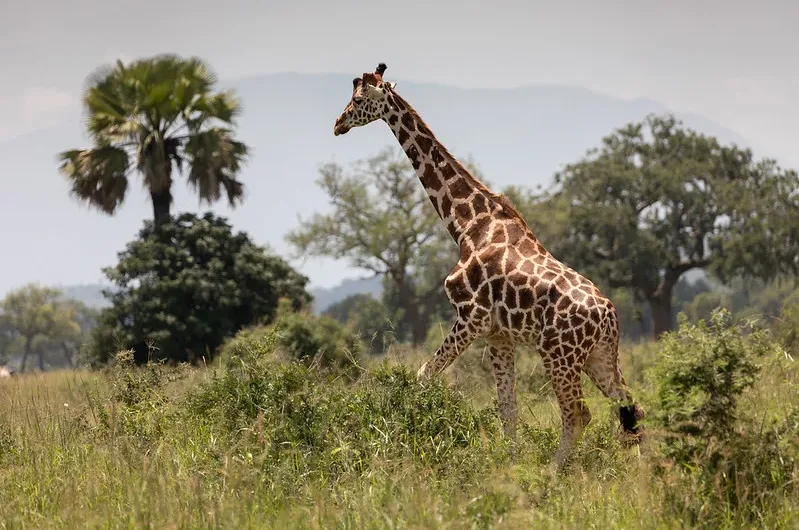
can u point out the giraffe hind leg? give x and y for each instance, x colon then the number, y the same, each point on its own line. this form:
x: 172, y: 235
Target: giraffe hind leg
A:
x: 574, y: 413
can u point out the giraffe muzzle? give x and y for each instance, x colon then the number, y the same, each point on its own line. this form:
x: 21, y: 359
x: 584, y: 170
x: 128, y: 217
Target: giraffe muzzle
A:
x: 339, y: 128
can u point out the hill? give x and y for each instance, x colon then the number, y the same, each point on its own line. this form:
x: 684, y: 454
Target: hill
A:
x: 517, y: 136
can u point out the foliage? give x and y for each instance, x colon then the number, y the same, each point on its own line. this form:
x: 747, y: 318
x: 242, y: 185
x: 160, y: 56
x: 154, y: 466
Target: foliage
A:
x: 38, y: 317
x: 155, y: 116
x: 738, y: 462
x: 386, y: 414
x: 657, y: 200
x: 382, y: 221
x: 184, y: 288
x: 319, y: 341
x: 261, y: 442
x: 367, y: 317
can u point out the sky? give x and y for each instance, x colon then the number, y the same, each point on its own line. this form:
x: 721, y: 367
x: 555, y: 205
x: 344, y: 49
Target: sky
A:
x: 732, y: 61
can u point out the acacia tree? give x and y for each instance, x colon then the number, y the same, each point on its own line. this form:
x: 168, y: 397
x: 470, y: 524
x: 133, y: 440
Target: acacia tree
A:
x: 382, y: 221
x: 657, y: 200
x: 154, y: 117
x: 37, y: 314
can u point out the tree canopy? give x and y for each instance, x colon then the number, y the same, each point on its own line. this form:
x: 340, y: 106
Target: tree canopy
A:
x: 382, y: 221
x: 37, y: 317
x: 184, y: 288
x: 657, y: 200
x: 153, y: 117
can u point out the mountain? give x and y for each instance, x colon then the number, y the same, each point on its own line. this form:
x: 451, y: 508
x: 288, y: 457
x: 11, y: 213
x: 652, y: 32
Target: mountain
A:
x: 326, y: 297
x: 517, y: 136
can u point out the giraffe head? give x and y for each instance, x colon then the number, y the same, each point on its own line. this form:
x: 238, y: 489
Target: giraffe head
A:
x: 369, y: 101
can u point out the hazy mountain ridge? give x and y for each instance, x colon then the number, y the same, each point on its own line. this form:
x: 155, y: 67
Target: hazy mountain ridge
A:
x: 516, y: 136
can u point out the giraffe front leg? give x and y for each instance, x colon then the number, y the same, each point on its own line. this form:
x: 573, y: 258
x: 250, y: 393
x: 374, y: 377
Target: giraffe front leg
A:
x: 501, y: 357
x: 457, y: 340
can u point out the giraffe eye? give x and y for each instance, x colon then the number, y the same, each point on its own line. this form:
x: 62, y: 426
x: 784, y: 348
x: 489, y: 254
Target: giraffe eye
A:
x: 357, y: 99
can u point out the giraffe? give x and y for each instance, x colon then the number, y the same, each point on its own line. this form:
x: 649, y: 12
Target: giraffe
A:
x: 506, y: 288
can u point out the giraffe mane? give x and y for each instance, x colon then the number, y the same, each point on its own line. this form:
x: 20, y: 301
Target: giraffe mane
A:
x: 499, y: 198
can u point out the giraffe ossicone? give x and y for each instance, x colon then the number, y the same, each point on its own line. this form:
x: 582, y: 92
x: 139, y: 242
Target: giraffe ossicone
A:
x: 506, y: 287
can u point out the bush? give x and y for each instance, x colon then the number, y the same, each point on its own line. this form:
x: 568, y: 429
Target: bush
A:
x: 288, y: 410
x: 181, y: 290
x: 300, y: 336
x: 734, y: 462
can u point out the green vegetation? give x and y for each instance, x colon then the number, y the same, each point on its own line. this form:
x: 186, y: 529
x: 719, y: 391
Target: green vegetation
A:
x: 38, y: 320
x: 382, y: 221
x: 256, y: 440
x: 155, y: 116
x: 657, y: 200
x: 181, y: 290
x: 217, y: 399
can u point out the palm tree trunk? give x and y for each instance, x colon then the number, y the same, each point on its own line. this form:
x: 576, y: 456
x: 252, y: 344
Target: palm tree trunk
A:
x: 162, y: 202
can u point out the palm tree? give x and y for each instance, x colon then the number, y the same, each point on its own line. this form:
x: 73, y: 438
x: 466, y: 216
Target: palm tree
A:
x: 152, y: 117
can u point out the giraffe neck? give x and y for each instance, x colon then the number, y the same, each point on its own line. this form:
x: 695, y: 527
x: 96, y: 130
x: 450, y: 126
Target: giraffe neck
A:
x: 462, y: 202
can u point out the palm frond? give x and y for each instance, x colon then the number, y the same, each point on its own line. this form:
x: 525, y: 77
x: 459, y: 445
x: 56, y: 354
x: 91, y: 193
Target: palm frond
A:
x: 97, y: 176
x: 215, y: 158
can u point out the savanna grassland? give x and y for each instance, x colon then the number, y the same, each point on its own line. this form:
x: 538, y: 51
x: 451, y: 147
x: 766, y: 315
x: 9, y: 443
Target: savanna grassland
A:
x: 257, y: 440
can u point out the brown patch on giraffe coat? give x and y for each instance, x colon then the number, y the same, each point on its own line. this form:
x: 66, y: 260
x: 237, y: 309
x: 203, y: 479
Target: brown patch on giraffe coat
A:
x: 463, y: 211
x: 436, y: 156
x: 527, y: 267
x: 424, y: 143
x: 460, y: 189
x: 517, y: 279
x: 496, y: 289
x: 446, y: 206
x: 526, y: 298
x: 527, y: 247
x: 474, y: 275
x: 515, y: 233
x: 517, y: 319
x: 403, y: 136
x: 430, y: 178
x: 413, y: 154
x: 479, y: 204
x: 448, y: 172
x: 456, y: 288
x: 392, y: 120
x: 499, y: 235
x: 484, y: 295
x: 408, y: 122
x: 562, y: 284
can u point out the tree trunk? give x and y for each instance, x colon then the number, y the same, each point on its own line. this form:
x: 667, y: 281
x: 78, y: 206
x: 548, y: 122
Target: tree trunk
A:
x: 41, y: 360
x: 25, y: 353
x: 68, y: 355
x: 162, y: 203
x: 660, y: 303
x: 661, y: 315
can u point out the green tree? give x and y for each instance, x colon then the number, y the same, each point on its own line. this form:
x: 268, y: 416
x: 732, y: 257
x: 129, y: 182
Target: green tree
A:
x: 36, y: 313
x: 657, y: 200
x: 185, y: 287
x: 382, y: 221
x: 367, y: 317
x: 155, y: 116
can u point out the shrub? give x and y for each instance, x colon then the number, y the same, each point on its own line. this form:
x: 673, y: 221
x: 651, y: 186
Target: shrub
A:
x: 734, y: 463
x: 299, y: 336
x: 287, y: 410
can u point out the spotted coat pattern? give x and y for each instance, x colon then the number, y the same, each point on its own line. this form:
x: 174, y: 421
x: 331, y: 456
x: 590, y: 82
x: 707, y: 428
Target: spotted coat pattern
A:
x: 506, y: 287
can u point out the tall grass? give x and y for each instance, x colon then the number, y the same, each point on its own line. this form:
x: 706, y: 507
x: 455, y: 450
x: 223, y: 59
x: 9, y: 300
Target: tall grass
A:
x: 257, y: 441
